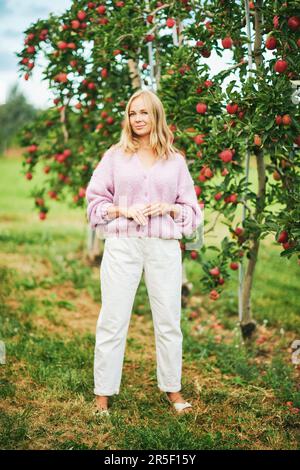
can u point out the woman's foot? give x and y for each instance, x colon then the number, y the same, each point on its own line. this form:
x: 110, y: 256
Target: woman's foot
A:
x: 176, y: 397
x: 101, y: 402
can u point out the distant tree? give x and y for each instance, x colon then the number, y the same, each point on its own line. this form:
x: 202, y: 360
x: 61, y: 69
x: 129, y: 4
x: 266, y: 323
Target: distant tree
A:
x: 13, y: 115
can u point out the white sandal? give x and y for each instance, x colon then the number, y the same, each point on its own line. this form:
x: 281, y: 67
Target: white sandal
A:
x: 99, y: 412
x: 179, y: 407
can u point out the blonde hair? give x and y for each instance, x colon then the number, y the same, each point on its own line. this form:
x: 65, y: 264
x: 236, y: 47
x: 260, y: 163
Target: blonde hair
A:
x: 161, y: 136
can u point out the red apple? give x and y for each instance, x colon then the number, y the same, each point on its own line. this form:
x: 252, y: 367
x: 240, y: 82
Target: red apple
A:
x: 276, y: 176
x: 234, y: 266
x: 193, y: 315
x: 81, y: 192
x: 214, y: 295
x: 280, y: 66
x: 226, y: 155
x: 52, y: 194
x: 276, y: 22
x: 232, y: 108
x: 201, y: 108
x: 239, y: 231
x: 227, y: 42
x: 62, y: 45
x: 81, y: 15
x: 218, y: 196
x: 271, y: 43
x: 215, y: 271
x: 67, y: 152
x: 283, y: 237
x: 170, y: 22
x: 39, y: 201
x: 32, y: 148
x: 208, y: 173
x: 286, y: 120
x: 30, y: 50
x: 294, y: 23
x: 198, y: 190
x: 150, y: 37
x: 287, y: 245
x: 198, y: 139
x: 257, y: 140
x: 206, y: 52
x: 61, y: 77
x: 101, y: 9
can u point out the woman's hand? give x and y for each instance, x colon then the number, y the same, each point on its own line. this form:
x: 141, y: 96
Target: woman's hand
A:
x: 135, y: 213
x: 158, y: 208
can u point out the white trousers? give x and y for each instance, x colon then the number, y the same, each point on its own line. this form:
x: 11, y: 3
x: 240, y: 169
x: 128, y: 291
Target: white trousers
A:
x: 122, y: 265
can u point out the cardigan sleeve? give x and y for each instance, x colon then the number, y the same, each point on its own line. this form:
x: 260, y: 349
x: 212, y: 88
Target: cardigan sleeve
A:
x: 100, y: 191
x: 190, y: 215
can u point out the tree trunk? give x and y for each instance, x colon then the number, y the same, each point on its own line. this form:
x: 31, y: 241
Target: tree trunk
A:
x: 248, y: 325
x: 134, y: 74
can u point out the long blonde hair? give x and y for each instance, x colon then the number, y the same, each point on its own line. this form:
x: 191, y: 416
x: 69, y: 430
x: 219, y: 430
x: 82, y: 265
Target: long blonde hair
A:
x: 161, y: 136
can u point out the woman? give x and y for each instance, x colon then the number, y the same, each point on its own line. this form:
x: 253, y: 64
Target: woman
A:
x: 141, y: 199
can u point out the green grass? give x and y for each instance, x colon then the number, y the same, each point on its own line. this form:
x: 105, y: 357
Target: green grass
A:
x: 275, y: 294
x: 49, y: 304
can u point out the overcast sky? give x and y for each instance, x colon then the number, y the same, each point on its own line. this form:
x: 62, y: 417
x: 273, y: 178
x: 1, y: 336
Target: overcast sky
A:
x: 16, y: 16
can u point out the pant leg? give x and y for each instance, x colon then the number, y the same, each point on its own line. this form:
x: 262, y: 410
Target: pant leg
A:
x: 120, y: 273
x: 163, y: 279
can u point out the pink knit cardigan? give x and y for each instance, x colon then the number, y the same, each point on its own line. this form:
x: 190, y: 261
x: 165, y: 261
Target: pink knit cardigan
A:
x: 124, y: 181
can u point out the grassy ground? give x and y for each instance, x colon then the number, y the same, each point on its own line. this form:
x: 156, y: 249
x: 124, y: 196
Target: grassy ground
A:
x: 244, y: 396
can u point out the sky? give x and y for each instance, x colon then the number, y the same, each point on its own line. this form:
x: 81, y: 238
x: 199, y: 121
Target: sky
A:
x: 16, y: 16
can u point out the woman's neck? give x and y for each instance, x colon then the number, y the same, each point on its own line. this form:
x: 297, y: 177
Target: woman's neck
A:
x: 145, y: 147
x: 144, y: 143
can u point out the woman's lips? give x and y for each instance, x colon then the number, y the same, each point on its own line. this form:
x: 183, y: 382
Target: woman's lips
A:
x: 139, y: 127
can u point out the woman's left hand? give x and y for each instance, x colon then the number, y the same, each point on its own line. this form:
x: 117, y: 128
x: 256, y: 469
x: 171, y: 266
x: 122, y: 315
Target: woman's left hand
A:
x: 158, y: 208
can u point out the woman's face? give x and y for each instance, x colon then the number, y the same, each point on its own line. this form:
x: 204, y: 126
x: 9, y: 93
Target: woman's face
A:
x: 139, y: 117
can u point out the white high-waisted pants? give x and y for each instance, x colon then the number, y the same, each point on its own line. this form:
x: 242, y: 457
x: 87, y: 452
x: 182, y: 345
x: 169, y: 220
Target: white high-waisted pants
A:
x: 122, y: 265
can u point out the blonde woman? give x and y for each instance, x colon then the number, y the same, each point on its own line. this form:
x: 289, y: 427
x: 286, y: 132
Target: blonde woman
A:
x: 141, y: 199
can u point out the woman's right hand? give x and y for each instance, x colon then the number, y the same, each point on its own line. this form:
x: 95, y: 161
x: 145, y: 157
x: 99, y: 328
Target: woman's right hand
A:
x: 135, y: 213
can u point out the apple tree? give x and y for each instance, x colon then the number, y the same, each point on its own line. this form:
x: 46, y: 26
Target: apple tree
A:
x: 98, y: 53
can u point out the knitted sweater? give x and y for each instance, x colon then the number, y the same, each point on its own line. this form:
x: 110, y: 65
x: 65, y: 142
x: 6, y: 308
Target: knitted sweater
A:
x: 124, y: 181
